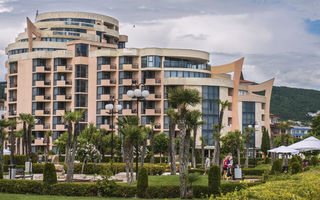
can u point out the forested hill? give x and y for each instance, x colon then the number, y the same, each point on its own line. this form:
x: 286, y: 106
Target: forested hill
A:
x: 294, y: 103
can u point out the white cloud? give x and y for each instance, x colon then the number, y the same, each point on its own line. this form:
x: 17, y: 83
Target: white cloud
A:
x: 4, y: 8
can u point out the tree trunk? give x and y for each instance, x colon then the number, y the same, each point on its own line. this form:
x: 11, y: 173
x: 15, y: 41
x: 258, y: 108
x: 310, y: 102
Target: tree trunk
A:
x: 83, y: 164
x: 152, y: 150
x: 160, y: 158
x: 47, y: 149
x: 217, y: 151
x: 172, y: 148
x: 246, y: 164
x: 1, y: 150
x: 194, y: 164
x: 183, y: 167
x: 202, y: 154
x: 70, y: 168
x: 29, y: 142
x: 131, y: 168
x: 144, y: 150
x: 68, y: 144
x: 18, y: 145
x: 12, y: 147
x: 238, y: 154
x: 24, y: 139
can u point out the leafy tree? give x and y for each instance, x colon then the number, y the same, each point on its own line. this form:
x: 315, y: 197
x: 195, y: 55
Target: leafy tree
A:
x: 183, y: 99
x: 288, y: 140
x: 3, y: 124
x: 87, y: 152
x: 116, y: 144
x: 161, y: 144
x: 24, y: 117
x: 217, y: 131
x: 18, y: 135
x: 61, y: 143
x: 232, y: 141
x: 315, y: 126
x: 265, y: 144
x: 248, y: 131
x: 283, y: 127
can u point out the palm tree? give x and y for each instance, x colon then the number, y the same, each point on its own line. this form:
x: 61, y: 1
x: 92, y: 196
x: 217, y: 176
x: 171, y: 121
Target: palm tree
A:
x: 12, y: 127
x: 18, y: 135
x: 195, y: 116
x: 68, y: 118
x: 145, y: 131
x: 30, y: 122
x: 3, y: 125
x: 128, y: 127
x: 172, y: 142
x: 152, y: 144
x: 217, y: 131
x: 47, y: 136
x: 238, y: 139
x: 24, y: 119
x: 248, y: 131
x: 203, y: 143
x: 76, y: 117
x: 283, y: 127
x: 183, y: 98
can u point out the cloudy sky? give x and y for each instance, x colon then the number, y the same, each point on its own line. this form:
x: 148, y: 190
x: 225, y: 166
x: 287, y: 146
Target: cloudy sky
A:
x: 278, y: 39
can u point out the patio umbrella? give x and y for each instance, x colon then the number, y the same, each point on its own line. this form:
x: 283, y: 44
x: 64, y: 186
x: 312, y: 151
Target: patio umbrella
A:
x: 308, y: 144
x: 284, y: 149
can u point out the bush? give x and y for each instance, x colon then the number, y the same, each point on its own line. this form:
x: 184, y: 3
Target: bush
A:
x: 296, y: 168
x: 314, y: 161
x: 1, y: 172
x: 295, y: 159
x: 252, y: 171
x: 267, y: 160
x: 276, y: 167
x: 142, y: 184
x: 72, y: 189
x: 37, y: 168
x: 105, y: 187
x: 19, y: 159
x: 49, y: 174
x: 21, y: 186
x: 214, y: 177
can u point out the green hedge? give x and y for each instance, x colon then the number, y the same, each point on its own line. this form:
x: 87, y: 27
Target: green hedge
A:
x: 90, y: 189
x: 252, y: 172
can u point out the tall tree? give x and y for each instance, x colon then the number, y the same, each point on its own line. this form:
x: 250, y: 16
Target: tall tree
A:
x: 12, y: 126
x: 265, y: 142
x: 3, y: 124
x: 315, y: 126
x: 217, y: 131
x: 145, y: 131
x: 18, y: 136
x: 161, y: 144
x: 68, y: 118
x: 172, y: 139
x: 30, y: 123
x: 24, y: 117
x: 231, y: 142
x: 77, y: 115
x: 203, y: 143
x: 128, y: 127
x: 183, y: 99
x: 194, y: 124
x: 283, y: 127
x: 248, y: 132
x: 48, y: 134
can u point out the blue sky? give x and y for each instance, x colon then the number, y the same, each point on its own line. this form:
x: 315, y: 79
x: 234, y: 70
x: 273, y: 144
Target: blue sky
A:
x: 278, y: 39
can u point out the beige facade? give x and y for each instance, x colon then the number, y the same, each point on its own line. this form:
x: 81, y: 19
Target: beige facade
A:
x: 67, y: 61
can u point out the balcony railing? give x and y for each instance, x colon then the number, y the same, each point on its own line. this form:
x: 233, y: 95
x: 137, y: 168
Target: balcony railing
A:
x: 13, y: 85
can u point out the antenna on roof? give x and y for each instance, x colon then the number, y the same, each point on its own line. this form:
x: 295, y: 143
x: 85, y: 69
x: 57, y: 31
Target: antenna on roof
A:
x: 37, y: 13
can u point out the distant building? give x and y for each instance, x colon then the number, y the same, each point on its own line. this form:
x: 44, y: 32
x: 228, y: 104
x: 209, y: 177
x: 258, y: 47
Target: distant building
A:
x: 274, y: 125
x: 299, y: 131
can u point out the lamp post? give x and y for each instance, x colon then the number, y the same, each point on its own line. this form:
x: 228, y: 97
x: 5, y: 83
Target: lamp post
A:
x: 140, y: 95
x: 110, y: 108
x: 255, y: 126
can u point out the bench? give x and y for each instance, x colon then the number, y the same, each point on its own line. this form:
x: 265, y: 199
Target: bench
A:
x: 20, y: 174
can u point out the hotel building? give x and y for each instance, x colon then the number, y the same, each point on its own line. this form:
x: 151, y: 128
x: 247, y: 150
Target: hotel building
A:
x: 66, y: 61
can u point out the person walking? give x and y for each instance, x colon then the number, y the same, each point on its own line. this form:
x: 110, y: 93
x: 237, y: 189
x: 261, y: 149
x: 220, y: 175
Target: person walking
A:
x: 225, y: 167
x: 230, y: 164
x: 207, y: 165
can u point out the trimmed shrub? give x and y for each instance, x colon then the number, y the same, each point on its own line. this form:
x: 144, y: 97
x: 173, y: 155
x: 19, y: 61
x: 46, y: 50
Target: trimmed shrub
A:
x: 37, y: 168
x: 49, y: 174
x: 21, y: 186
x: 72, y: 189
x: 142, y: 183
x: 296, y: 168
x: 214, y: 179
x: 314, y: 161
x: 19, y: 159
x: 276, y: 167
x: 105, y: 188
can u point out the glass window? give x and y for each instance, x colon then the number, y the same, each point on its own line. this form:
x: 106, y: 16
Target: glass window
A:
x: 82, y: 50
x: 81, y: 71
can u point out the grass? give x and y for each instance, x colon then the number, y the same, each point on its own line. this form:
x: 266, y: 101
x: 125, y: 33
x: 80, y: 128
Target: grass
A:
x: 5, y: 196
x: 263, y: 166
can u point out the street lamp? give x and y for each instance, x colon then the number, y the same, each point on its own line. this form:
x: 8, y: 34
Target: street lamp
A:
x: 140, y: 95
x: 110, y: 108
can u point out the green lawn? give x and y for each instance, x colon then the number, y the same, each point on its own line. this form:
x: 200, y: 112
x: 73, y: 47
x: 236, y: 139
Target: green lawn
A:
x: 5, y: 196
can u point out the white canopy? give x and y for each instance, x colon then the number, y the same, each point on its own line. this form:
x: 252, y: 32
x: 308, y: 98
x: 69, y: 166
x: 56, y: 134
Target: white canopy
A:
x: 283, y: 149
x: 308, y: 144
x: 6, y: 152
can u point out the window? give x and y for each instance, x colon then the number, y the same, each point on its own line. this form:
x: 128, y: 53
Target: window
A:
x: 185, y: 74
x: 150, y: 61
x: 124, y: 60
x: 81, y: 71
x: 121, y: 45
x: 59, y: 62
x: 82, y: 50
x: 103, y: 61
x: 248, y: 118
x: 81, y: 100
x: 182, y: 63
x: 81, y: 85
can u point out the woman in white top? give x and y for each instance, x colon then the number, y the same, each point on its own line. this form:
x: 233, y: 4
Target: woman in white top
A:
x: 207, y: 165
